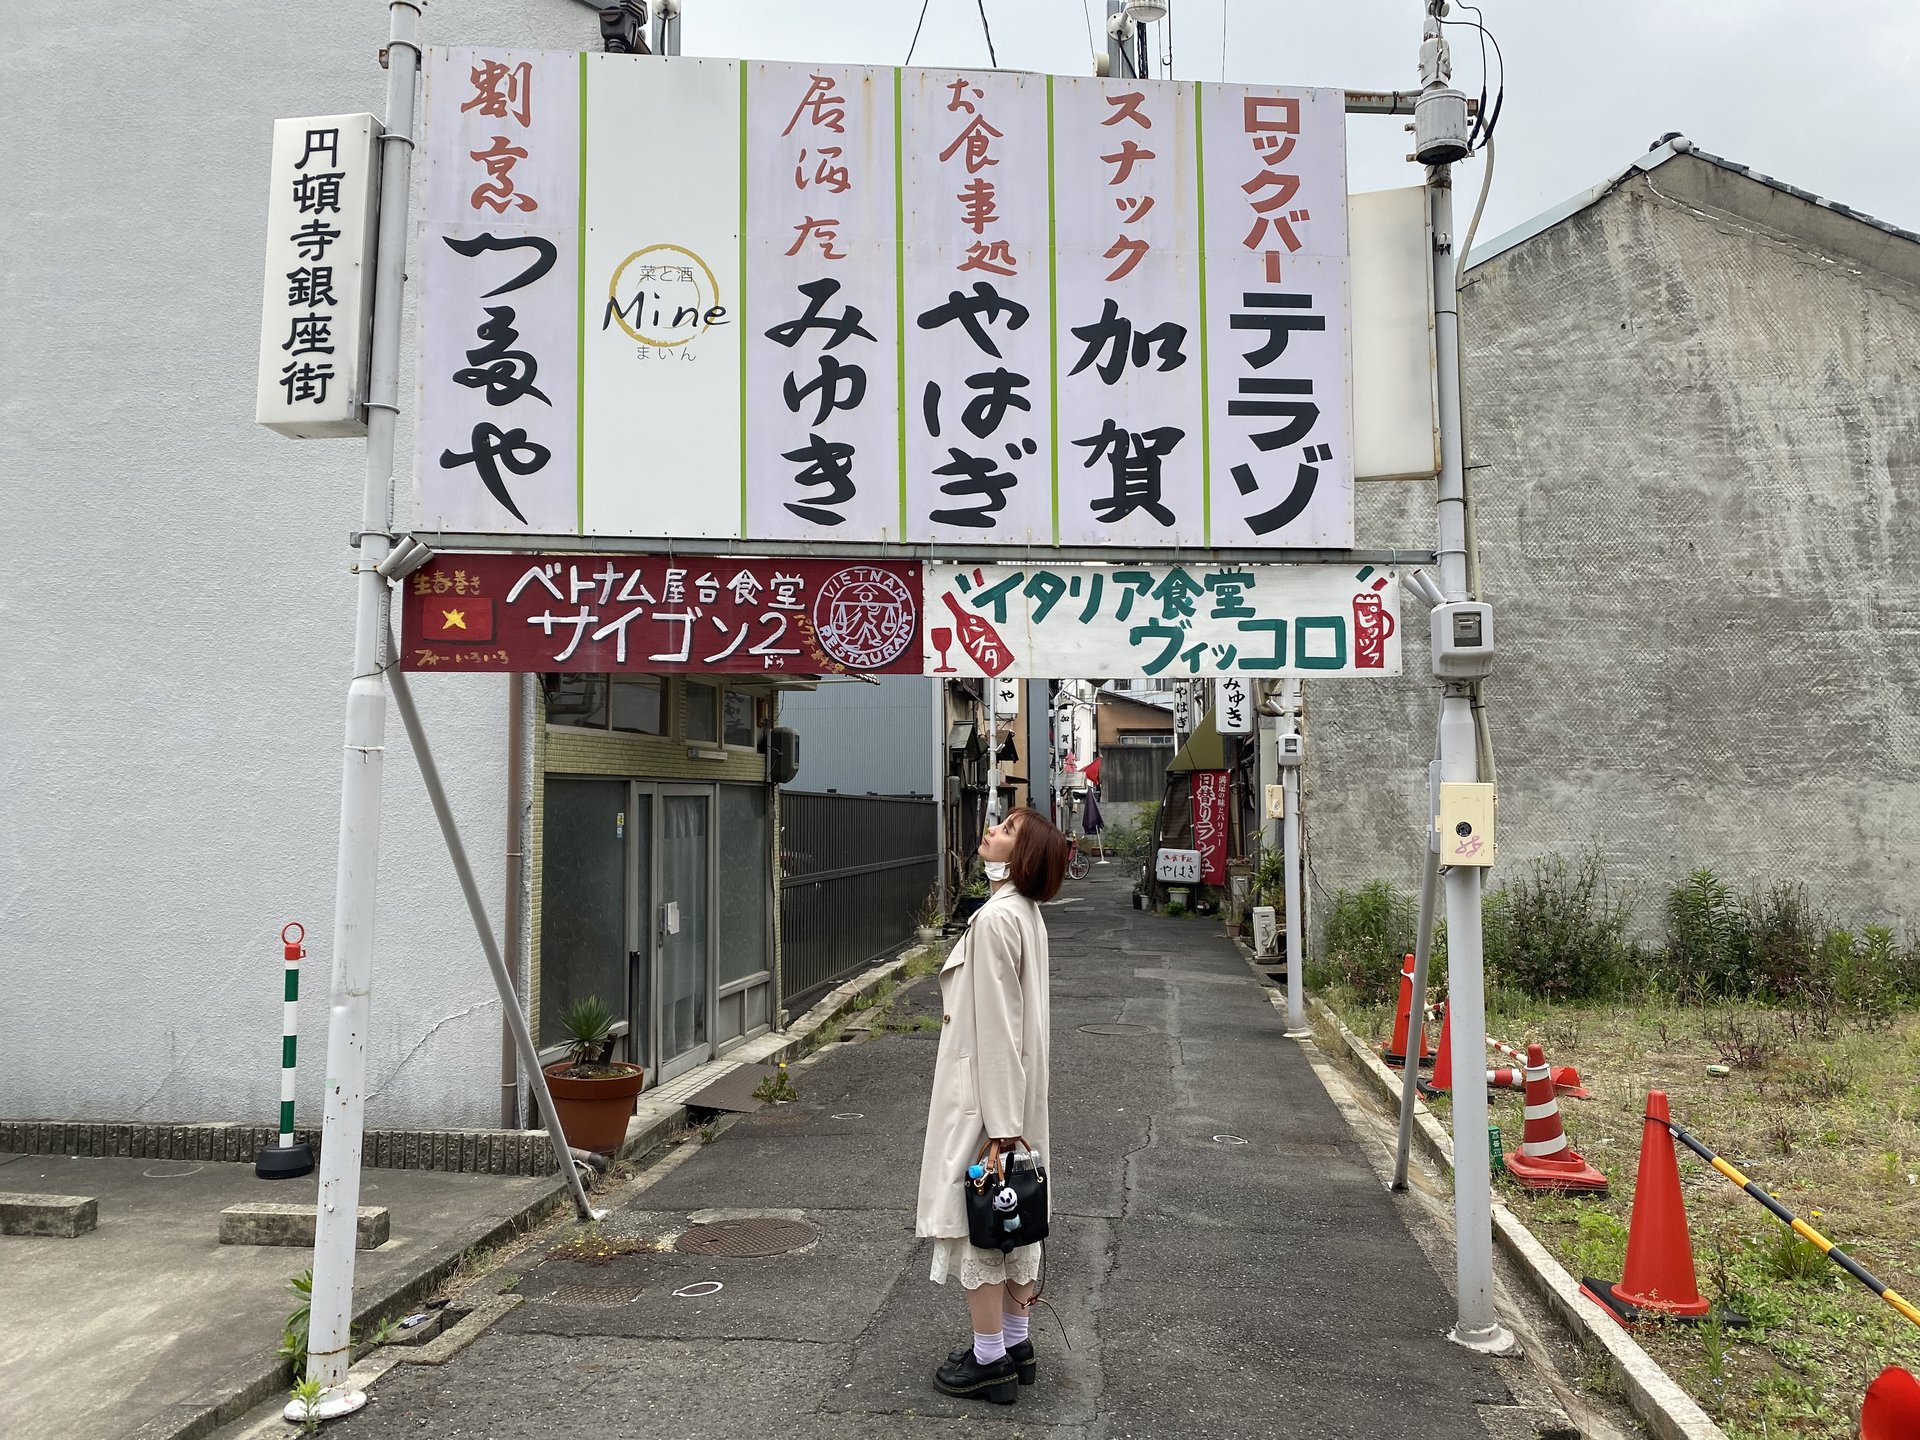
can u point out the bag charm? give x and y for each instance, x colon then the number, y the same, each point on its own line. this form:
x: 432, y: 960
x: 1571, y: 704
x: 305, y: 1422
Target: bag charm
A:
x: 1006, y: 1199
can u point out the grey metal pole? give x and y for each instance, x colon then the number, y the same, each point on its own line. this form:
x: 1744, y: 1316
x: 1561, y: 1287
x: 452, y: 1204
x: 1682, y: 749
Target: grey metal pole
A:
x: 357, y: 874
x: 1422, y: 953
x: 476, y: 907
x: 1297, y: 1027
x: 1117, y: 65
x: 1477, y: 1327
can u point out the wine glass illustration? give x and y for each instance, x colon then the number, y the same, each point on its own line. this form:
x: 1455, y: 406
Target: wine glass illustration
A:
x: 943, y: 641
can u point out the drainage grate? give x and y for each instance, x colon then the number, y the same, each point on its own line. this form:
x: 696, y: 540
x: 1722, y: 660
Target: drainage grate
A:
x: 593, y: 1295
x: 1117, y: 1030
x: 746, y: 1239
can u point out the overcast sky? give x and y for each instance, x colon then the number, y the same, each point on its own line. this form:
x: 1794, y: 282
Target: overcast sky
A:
x: 1823, y: 95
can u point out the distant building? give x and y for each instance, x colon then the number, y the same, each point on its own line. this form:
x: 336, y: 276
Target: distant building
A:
x: 1694, y: 451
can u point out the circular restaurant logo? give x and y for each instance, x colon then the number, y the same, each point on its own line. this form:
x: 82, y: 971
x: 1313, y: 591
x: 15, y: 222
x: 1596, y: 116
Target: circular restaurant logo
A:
x: 664, y: 295
x: 865, y: 617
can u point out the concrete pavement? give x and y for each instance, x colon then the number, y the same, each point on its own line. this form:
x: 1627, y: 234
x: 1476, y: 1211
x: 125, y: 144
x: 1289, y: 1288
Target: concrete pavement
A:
x: 1225, y: 1260
x: 149, y: 1324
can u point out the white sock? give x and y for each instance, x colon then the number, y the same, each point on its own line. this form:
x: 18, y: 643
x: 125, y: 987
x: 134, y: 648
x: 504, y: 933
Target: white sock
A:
x: 989, y: 1348
x: 1013, y: 1329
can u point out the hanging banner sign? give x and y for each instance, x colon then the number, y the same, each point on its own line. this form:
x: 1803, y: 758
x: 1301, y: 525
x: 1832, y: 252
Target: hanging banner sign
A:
x: 656, y: 615
x: 1249, y: 621
x: 317, y: 310
x: 855, y: 303
x: 1210, y: 824
x: 1233, y: 705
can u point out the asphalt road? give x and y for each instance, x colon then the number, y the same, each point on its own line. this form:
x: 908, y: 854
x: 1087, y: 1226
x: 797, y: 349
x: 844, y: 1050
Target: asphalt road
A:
x: 1224, y: 1262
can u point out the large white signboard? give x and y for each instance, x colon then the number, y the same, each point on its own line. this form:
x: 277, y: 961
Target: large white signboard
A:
x: 681, y: 298
x: 1235, y: 623
x: 317, y: 303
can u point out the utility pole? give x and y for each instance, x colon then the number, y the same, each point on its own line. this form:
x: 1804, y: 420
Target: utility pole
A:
x: 1440, y: 139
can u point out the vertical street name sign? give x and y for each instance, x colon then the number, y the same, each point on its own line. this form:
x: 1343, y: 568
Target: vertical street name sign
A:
x: 317, y: 302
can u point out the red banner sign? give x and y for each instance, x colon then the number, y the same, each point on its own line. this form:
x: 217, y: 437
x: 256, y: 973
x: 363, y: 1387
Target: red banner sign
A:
x: 1210, y: 824
x: 651, y: 614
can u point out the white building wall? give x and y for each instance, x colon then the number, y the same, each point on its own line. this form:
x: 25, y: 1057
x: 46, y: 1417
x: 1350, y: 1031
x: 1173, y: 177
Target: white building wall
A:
x: 175, y: 628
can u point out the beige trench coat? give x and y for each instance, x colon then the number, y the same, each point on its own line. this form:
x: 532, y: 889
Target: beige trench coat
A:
x: 990, y: 1078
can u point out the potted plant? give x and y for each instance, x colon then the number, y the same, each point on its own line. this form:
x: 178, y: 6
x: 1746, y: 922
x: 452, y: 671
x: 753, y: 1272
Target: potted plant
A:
x: 592, y: 1093
x: 927, y: 921
x: 973, y: 892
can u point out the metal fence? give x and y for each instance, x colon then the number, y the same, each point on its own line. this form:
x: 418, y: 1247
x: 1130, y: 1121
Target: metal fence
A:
x: 855, y: 870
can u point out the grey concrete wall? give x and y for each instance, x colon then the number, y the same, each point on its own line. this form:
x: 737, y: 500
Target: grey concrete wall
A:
x: 1697, y: 490
x: 861, y: 739
x: 178, y: 615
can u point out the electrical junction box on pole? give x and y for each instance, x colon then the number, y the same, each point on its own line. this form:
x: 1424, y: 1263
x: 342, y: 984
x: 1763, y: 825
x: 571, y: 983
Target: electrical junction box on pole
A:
x: 1462, y: 636
x: 1289, y: 749
x: 1465, y: 823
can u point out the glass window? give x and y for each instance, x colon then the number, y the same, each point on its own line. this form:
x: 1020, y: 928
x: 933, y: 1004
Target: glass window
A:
x: 583, y: 900
x: 745, y: 881
x: 703, y: 714
x: 638, y: 705
x: 741, y: 723
x: 577, y: 700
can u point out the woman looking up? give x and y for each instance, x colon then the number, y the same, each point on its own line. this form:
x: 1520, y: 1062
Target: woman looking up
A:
x: 990, y: 1083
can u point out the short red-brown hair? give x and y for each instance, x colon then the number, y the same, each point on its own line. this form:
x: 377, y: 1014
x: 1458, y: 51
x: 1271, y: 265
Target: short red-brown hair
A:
x: 1040, y: 855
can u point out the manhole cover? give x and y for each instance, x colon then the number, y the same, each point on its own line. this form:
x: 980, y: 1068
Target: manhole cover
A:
x: 1116, y: 1030
x: 593, y: 1295
x: 745, y: 1239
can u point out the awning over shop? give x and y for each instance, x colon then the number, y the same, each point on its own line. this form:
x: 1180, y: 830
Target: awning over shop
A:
x: 1203, y: 750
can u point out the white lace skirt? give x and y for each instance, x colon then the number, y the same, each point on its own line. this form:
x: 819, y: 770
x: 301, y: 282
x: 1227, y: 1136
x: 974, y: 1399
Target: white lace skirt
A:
x: 975, y: 1267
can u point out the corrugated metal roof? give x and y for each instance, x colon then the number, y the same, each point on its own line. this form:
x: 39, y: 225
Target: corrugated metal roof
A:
x: 1652, y: 160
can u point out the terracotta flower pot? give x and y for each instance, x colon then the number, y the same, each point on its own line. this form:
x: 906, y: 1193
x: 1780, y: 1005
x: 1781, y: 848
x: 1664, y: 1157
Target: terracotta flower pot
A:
x: 593, y: 1114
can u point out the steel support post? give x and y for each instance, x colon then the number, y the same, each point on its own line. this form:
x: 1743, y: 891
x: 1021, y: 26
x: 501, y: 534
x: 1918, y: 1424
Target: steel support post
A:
x: 1297, y: 1027
x: 476, y: 907
x: 343, y: 1114
x: 1477, y: 1326
x: 1422, y: 955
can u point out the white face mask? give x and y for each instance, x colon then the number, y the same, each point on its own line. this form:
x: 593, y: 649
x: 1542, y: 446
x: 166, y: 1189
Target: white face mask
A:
x: 998, y: 870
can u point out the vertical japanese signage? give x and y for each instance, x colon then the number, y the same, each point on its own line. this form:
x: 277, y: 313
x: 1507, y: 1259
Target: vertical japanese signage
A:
x: 716, y: 299
x: 318, y: 299
x: 1233, y: 705
x: 495, y: 439
x: 1279, y: 349
x: 1129, y: 315
x: 822, y: 272
x: 977, y: 349
x: 1210, y: 824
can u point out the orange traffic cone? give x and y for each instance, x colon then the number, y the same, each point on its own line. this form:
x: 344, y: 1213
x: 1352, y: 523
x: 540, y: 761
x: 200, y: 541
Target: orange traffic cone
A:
x: 1442, y: 1080
x: 1395, y: 1050
x: 1544, y: 1160
x: 1892, y: 1411
x: 1659, y: 1279
x: 1566, y: 1078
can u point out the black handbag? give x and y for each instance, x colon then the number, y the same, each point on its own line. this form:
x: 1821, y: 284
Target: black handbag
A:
x: 1006, y: 1198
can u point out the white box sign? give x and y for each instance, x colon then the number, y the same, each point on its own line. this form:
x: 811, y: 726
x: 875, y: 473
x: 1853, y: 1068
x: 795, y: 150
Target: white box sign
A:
x: 793, y: 302
x: 1182, y: 867
x: 317, y: 302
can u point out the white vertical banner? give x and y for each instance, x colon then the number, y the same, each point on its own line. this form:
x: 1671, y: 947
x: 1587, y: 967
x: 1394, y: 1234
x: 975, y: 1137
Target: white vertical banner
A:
x: 1278, y: 336
x: 978, y: 329
x: 317, y: 305
x: 823, y: 271
x: 1233, y: 705
x: 1128, y: 335
x: 495, y: 435
x: 663, y: 320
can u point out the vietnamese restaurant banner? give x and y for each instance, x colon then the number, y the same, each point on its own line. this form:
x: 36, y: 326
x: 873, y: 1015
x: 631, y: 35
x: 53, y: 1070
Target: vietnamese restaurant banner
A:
x: 651, y: 614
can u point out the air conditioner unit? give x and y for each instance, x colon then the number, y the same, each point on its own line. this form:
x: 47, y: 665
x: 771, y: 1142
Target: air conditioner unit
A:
x: 1266, y: 931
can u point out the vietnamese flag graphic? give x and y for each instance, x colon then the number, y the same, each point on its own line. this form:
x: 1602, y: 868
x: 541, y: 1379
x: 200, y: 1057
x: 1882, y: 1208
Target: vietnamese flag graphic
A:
x: 455, y: 619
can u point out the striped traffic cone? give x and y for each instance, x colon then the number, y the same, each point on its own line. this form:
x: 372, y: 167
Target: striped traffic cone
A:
x: 1395, y: 1050
x: 1566, y: 1079
x: 1544, y: 1160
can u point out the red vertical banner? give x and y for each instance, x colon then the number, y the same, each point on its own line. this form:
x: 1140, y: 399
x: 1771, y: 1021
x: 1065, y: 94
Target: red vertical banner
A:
x: 1210, y: 824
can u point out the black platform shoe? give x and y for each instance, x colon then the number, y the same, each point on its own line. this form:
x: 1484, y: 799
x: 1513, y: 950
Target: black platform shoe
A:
x: 1021, y: 1354
x: 965, y: 1375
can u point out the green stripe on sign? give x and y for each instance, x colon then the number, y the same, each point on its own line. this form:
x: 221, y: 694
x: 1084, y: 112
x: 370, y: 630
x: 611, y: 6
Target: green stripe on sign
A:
x: 286, y: 1117
x: 293, y: 983
x: 287, y: 1044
